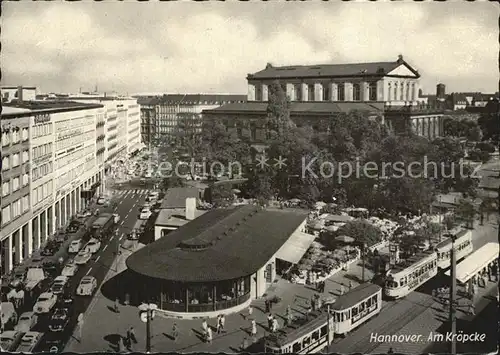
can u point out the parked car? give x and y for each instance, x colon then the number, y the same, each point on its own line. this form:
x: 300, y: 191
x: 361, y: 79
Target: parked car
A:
x: 51, y: 267
x: 83, y: 257
x: 101, y: 200
x: 8, y: 314
x: 116, y: 217
x: 26, y: 322
x: 45, y: 302
x: 10, y: 339
x: 48, y: 251
x: 75, y: 246
x: 73, y: 226
x: 28, y: 342
x: 145, y: 214
x: 17, y: 278
x: 59, y: 285
x: 84, y: 214
x: 87, y: 286
x: 59, y: 320
x: 93, y: 245
x: 69, y: 269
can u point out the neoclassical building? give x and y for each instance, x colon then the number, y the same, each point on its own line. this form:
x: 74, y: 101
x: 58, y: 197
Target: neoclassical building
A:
x: 384, y: 89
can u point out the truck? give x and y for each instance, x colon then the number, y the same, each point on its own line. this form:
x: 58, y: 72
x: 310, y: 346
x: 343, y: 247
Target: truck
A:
x: 103, y: 225
x: 34, y: 276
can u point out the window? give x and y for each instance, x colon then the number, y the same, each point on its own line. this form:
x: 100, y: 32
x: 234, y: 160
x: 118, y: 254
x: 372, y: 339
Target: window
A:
x: 408, y: 97
x: 25, y: 134
x: 15, y: 184
x: 326, y: 92
x: 258, y: 93
x: 26, y: 179
x: 15, y: 136
x: 395, y: 96
x: 323, y: 331
x: 298, y: 92
x: 310, y: 92
x: 412, y: 92
x: 26, y: 156
x: 26, y: 203
x: 16, y: 209
x: 401, y: 92
x: 372, y: 91
x: 15, y: 160
x: 389, y: 92
x: 341, y: 92
x: 5, y: 163
x: 356, y: 92
x: 5, y: 138
x: 297, y: 347
x: 6, y: 214
x: 5, y: 188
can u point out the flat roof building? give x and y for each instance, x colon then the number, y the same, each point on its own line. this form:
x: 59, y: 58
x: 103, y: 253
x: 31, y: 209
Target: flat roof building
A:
x: 216, y: 263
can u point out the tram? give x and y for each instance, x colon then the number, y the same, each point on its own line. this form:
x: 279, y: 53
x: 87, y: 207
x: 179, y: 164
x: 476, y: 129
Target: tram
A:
x: 405, y: 277
x: 317, y: 332
x: 463, y: 247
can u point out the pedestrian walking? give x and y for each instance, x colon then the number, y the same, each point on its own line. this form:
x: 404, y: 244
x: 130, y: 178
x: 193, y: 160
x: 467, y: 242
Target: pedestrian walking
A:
x: 472, y: 309
x: 80, y: 326
x: 250, y: 311
x: 133, y: 338
x: 175, y: 331
x: 275, y: 325
x: 117, y: 303
x: 269, y: 321
x: 121, y: 345
x: 288, y: 310
x: 390, y: 351
x: 342, y: 290
x: 218, y: 325
x: 266, y: 303
x: 204, y: 326
x: 222, y: 323
x: 313, y: 303
x: 209, y: 335
x: 350, y: 285
x: 254, y: 329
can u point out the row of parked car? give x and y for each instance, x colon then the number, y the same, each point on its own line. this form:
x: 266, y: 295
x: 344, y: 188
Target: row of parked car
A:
x: 53, y: 305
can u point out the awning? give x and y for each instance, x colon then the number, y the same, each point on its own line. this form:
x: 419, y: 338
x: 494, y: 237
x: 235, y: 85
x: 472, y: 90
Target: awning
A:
x: 295, y: 247
x: 475, y: 262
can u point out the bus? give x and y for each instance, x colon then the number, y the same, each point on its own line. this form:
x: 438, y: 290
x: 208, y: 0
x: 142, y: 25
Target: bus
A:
x: 317, y: 331
x: 103, y: 225
x: 405, y: 277
x: 463, y: 247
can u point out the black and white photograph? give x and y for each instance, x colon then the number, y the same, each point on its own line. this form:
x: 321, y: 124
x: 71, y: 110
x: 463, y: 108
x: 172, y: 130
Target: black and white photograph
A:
x: 249, y: 177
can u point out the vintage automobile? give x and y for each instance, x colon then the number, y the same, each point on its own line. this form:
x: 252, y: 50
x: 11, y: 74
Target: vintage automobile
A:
x: 10, y: 339
x: 45, y: 302
x: 17, y: 278
x: 101, y: 200
x: 59, y: 320
x: 59, y: 285
x: 82, y: 257
x: 69, y: 269
x: 84, y: 214
x: 73, y: 226
x: 87, y: 286
x: 26, y: 322
x: 28, y: 342
x: 145, y: 214
x: 75, y: 246
x: 93, y: 245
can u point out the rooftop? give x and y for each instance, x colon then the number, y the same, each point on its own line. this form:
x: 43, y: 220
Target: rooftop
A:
x: 412, y: 260
x: 297, y: 108
x: 355, y: 296
x: 330, y: 70
x: 175, y: 197
x: 221, y: 244
x: 45, y: 107
x: 174, y: 217
x: 192, y: 99
x: 447, y: 241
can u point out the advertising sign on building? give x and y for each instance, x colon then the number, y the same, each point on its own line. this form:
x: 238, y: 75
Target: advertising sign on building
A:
x: 393, y: 254
x: 42, y: 118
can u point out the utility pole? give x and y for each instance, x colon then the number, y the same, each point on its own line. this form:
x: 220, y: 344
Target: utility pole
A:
x: 453, y: 275
x: 148, y: 331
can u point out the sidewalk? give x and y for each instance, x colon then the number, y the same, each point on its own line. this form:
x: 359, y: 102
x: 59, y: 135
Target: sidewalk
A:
x: 111, y: 325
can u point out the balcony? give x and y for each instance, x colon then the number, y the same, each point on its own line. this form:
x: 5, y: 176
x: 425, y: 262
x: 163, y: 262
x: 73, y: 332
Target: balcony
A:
x: 415, y: 109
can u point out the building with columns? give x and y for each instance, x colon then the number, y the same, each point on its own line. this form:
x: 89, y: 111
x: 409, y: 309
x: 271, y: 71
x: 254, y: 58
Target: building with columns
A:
x: 52, y: 162
x: 325, y: 91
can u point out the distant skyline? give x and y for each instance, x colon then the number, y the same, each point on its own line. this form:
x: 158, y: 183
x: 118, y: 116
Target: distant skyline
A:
x: 190, y: 47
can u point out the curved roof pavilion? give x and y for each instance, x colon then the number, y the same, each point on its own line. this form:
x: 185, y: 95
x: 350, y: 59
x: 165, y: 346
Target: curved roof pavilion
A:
x: 222, y: 244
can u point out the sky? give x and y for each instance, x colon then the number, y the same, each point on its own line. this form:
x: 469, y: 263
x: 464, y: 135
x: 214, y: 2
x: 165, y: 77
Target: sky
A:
x: 193, y: 47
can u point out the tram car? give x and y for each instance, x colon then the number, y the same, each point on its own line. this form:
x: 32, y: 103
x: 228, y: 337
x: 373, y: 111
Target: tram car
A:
x: 463, y: 247
x: 317, y: 332
x: 405, y: 277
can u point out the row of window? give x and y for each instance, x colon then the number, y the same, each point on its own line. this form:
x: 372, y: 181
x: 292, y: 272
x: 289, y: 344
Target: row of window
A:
x: 302, y: 344
x: 14, y: 136
x: 69, y: 133
x: 41, y: 171
x: 74, y: 156
x: 13, y: 160
x: 431, y: 265
x: 14, y: 184
x: 355, y: 310
x: 42, y: 150
x: 15, y: 209
x: 41, y: 130
x: 42, y: 192
x: 70, y: 175
x: 70, y: 124
x: 69, y: 142
x: 133, y: 130
x: 406, y: 91
x: 447, y: 255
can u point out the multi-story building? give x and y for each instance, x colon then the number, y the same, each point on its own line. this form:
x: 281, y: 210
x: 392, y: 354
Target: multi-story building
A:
x: 50, y: 166
x: 321, y: 92
x: 162, y: 117
x: 10, y: 93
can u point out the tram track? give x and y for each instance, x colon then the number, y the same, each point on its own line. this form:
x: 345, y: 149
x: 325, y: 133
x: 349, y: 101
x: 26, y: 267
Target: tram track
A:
x: 389, y: 327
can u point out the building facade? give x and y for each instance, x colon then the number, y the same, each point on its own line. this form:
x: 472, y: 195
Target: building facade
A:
x: 165, y: 117
x: 13, y: 93
x: 323, y: 92
x: 52, y: 162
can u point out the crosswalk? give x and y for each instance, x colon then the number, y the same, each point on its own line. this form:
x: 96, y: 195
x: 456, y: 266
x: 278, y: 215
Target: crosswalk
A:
x: 130, y: 192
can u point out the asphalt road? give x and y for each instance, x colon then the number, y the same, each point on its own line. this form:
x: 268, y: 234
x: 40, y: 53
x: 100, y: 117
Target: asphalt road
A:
x: 128, y: 209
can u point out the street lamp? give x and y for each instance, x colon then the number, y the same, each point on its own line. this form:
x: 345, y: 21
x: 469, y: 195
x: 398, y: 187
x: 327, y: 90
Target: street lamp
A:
x: 147, y: 314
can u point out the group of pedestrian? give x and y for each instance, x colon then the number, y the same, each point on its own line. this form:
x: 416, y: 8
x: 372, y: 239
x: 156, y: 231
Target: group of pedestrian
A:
x: 221, y: 321
x: 127, y: 341
x: 272, y: 323
x: 207, y: 331
x: 320, y: 286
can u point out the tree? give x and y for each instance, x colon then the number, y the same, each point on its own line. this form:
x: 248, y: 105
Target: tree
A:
x: 479, y: 155
x: 278, y: 109
x: 362, y: 231
x: 474, y: 134
x: 466, y: 212
x: 221, y: 195
x: 172, y: 181
x: 489, y: 121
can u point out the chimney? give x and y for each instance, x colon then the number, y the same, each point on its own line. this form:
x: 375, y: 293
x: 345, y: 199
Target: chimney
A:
x: 190, y: 208
x: 20, y: 94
